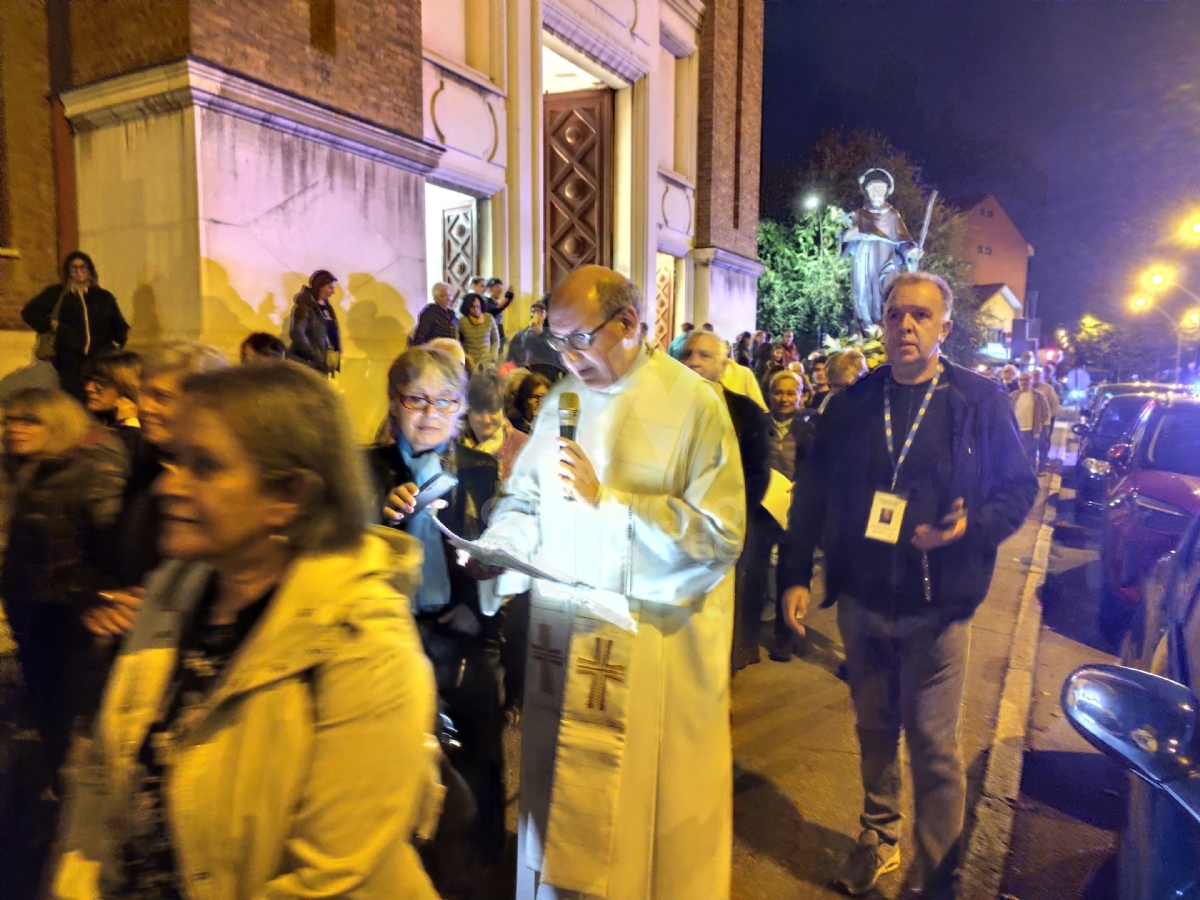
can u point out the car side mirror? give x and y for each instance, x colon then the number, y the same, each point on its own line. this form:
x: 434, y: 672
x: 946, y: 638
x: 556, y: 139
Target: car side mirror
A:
x: 1120, y: 454
x: 1080, y: 429
x: 1147, y: 723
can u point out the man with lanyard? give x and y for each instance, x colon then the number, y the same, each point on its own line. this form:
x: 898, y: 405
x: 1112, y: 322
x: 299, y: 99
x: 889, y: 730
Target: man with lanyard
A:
x: 915, y: 477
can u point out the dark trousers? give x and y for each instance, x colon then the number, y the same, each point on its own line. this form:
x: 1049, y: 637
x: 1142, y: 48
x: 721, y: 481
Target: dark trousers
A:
x: 67, y: 365
x: 909, y: 673
x: 1044, y: 444
x: 750, y: 587
x: 467, y: 671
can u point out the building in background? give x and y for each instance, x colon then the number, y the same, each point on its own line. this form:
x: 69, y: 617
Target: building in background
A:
x: 210, y: 154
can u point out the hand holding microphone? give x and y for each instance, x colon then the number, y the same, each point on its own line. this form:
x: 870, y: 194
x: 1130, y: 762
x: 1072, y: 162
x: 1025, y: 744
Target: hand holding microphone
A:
x: 574, y: 468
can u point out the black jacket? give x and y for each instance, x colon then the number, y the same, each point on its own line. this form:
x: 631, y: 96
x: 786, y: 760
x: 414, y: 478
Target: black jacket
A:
x: 102, y: 328
x: 750, y: 425
x: 311, y: 335
x: 60, y: 544
x: 434, y: 322
x: 990, y: 472
x: 468, y: 503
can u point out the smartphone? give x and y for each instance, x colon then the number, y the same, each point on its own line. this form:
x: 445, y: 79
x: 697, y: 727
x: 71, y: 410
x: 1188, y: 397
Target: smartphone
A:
x: 437, y: 486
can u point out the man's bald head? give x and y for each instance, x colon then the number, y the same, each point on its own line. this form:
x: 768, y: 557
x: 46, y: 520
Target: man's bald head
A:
x: 704, y: 353
x: 599, y: 305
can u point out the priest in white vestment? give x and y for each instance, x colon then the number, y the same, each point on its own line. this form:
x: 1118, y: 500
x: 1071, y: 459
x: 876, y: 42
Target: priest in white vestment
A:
x: 626, y: 759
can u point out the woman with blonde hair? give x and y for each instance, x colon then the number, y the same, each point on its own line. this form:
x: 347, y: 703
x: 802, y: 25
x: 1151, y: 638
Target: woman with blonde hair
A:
x: 66, y: 473
x: 110, y: 389
x: 265, y: 731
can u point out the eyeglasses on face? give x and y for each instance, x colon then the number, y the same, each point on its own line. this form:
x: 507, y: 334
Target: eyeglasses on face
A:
x: 579, y: 340
x: 420, y: 403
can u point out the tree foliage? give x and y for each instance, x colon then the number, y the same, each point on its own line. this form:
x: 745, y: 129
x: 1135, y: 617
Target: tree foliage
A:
x: 804, y: 289
x: 1144, y: 347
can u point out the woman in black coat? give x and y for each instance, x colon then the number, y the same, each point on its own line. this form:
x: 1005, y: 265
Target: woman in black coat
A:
x: 85, y: 318
x: 426, y: 390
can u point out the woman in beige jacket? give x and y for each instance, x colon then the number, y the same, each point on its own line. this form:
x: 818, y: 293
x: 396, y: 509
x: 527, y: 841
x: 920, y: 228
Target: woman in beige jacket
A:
x: 266, y: 728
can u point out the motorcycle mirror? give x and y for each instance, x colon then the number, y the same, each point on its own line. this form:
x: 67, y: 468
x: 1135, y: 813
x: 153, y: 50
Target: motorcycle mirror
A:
x: 1147, y: 723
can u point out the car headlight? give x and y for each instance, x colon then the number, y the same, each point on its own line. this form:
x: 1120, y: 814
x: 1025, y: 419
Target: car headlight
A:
x: 1097, y: 466
x: 1159, y: 516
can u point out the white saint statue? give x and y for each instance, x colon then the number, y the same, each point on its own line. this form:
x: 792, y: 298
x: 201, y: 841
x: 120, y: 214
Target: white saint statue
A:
x: 626, y: 759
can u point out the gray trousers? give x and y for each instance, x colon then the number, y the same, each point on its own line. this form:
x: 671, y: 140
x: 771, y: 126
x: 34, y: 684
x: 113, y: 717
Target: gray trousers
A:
x: 909, y: 673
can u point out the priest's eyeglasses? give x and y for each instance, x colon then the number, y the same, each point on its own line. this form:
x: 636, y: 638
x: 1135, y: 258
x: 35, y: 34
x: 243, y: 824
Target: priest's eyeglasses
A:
x: 578, y: 340
x: 420, y: 403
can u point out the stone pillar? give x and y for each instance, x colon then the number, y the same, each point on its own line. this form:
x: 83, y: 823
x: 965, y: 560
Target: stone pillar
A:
x: 208, y: 199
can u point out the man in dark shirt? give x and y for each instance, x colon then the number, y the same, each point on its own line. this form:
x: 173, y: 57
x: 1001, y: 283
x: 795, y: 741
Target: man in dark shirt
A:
x: 437, y: 319
x: 915, y: 476
x: 495, y: 301
x: 704, y: 353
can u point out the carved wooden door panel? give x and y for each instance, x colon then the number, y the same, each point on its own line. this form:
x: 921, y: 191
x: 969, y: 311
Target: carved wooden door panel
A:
x: 579, y: 161
x: 458, y: 245
x: 664, y: 294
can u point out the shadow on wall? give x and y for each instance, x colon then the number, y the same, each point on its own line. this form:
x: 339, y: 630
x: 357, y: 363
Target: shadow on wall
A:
x: 372, y: 341
x: 145, y: 317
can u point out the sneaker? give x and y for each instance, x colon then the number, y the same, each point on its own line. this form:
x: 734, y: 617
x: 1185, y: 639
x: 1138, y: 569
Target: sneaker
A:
x: 869, y: 860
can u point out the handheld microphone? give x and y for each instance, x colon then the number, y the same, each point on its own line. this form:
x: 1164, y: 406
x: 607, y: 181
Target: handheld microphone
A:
x: 568, y: 419
x: 568, y: 415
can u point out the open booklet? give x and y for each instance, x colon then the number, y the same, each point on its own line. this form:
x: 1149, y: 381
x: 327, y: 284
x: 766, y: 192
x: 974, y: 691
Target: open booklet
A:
x: 493, y: 550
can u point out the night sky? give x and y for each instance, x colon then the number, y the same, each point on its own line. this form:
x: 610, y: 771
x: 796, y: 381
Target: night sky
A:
x: 1083, y: 118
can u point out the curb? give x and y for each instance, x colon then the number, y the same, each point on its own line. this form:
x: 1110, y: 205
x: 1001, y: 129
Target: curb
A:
x: 987, y: 850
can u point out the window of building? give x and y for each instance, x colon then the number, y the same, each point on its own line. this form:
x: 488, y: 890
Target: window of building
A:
x: 985, y: 251
x: 322, y: 26
x: 995, y: 336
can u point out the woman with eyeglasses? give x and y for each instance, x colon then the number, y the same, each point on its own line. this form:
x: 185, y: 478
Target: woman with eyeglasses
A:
x: 75, y: 320
x: 527, y: 399
x: 66, y: 474
x: 426, y: 390
x: 110, y: 386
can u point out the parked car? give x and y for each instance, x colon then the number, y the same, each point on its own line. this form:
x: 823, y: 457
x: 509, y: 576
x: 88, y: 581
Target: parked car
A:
x: 1110, y: 424
x: 1146, y: 715
x: 1153, y: 493
x: 1101, y: 394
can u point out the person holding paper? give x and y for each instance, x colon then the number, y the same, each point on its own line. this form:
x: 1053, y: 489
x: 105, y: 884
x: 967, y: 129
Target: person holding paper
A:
x: 626, y: 759
x: 426, y: 389
x: 789, y: 437
x: 704, y: 354
x: 915, y: 477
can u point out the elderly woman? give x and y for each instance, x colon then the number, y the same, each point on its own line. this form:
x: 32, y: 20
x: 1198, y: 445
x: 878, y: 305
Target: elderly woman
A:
x: 488, y: 429
x: 136, y: 551
x: 110, y: 390
x: 265, y: 730
x: 425, y: 393
x: 66, y: 473
x: 479, y: 332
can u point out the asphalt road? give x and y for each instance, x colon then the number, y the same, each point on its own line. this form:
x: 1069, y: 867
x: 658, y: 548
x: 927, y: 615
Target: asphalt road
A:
x: 1072, y: 800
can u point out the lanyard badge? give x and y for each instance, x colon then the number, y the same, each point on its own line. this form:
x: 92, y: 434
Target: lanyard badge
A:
x: 887, y: 507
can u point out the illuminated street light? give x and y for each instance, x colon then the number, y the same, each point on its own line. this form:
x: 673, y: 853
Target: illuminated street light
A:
x: 1158, y: 279
x: 1190, y: 321
x: 1195, y: 227
x: 812, y: 201
x: 1140, y: 302
x: 1193, y: 319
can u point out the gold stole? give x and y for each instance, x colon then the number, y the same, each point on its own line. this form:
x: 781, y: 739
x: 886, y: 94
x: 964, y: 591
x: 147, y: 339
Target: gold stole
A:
x: 593, y: 676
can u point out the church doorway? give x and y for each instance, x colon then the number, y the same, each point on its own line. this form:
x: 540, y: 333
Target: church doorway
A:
x: 579, y: 132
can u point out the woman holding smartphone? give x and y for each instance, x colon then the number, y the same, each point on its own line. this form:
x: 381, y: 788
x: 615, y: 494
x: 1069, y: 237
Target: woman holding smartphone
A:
x: 426, y: 392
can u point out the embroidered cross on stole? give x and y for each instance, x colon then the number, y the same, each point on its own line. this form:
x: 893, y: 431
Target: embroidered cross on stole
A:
x: 590, y: 747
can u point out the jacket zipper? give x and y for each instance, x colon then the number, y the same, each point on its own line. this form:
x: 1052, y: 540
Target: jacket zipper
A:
x: 87, y: 329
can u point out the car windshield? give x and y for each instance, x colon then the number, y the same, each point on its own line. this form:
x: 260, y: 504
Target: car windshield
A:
x: 1173, y: 444
x: 1118, y: 414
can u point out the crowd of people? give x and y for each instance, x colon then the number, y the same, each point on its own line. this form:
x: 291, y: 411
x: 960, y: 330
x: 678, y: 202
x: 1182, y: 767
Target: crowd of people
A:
x: 260, y: 661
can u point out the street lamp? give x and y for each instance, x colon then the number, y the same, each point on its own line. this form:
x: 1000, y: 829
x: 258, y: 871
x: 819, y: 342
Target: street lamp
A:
x: 812, y: 201
x: 1190, y: 322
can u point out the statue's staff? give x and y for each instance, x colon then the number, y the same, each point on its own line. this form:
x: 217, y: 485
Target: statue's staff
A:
x: 925, y: 224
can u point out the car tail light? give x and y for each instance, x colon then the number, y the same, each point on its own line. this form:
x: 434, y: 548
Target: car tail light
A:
x: 1159, y: 516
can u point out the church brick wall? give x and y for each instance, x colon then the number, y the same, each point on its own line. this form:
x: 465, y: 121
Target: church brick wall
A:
x: 29, y: 175
x: 730, y: 126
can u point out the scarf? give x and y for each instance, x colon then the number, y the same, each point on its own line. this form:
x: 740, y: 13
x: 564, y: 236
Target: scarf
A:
x: 434, y: 592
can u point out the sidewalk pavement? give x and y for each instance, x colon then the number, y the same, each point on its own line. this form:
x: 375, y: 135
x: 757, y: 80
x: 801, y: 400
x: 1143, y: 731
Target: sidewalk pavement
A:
x: 797, y: 790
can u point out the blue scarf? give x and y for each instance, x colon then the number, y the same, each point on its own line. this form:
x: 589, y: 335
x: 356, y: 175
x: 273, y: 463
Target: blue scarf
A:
x: 434, y: 592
